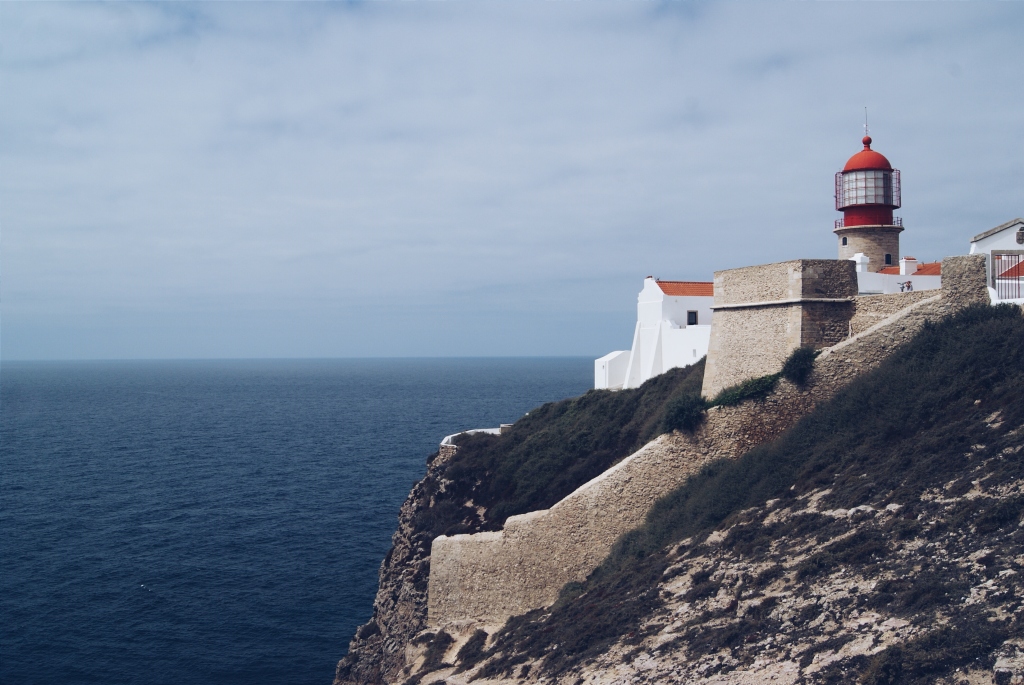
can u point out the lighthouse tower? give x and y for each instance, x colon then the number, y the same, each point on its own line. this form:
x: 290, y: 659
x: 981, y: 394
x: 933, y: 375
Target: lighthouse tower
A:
x: 867, y: 192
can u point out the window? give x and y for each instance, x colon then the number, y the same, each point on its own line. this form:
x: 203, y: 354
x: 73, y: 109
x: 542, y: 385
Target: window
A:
x: 888, y: 260
x: 691, y: 318
x: 844, y: 240
x: 867, y: 188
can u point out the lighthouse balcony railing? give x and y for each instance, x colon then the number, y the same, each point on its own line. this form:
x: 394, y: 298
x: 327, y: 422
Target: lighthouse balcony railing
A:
x: 896, y: 221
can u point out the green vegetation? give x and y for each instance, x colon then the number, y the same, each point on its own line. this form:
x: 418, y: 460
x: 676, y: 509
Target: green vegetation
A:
x: 684, y: 413
x: 886, y: 438
x: 687, y: 411
x: 750, y: 389
x: 560, y: 446
x: 798, y: 367
x: 547, y: 454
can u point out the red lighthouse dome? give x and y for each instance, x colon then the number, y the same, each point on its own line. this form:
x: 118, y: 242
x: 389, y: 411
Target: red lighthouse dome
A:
x: 867, y: 158
x: 867, y: 189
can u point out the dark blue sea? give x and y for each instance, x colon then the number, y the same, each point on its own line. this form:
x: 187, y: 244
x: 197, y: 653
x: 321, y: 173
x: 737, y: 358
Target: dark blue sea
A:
x: 194, y: 522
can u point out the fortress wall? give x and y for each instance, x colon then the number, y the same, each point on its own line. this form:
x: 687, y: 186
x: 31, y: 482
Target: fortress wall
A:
x: 795, y: 279
x: 487, y: 577
x: 964, y: 279
x: 761, y: 283
x: 828, y: 278
x: 763, y: 313
x: 822, y: 324
x: 870, y: 309
x: 745, y: 342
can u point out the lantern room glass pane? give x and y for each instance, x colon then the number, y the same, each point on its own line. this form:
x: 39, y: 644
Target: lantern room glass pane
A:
x: 870, y: 187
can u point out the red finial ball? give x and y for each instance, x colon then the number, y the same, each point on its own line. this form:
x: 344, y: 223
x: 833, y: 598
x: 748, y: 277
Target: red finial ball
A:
x: 867, y: 142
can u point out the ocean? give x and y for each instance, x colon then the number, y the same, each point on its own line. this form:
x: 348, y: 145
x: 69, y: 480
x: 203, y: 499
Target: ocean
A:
x: 200, y: 522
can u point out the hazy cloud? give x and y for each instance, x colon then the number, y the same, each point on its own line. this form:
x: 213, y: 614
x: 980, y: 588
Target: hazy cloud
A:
x: 457, y: 178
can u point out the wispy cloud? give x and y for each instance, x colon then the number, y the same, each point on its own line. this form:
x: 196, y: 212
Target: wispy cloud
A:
x: 394, y: 178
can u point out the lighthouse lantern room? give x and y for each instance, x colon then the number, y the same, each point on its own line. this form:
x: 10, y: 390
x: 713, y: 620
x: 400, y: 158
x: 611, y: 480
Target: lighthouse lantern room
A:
x: 867, y: 192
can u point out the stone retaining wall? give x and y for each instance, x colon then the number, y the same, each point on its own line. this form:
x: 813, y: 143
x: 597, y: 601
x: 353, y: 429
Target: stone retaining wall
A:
x: 485, y: 578
x: 763, y: 313
x: 732, y: 356
x: 792, y: 280
x: 870, y: 309
x: 963, y: 280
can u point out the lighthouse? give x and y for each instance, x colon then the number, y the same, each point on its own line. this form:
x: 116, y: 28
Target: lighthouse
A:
x: 867, y: 192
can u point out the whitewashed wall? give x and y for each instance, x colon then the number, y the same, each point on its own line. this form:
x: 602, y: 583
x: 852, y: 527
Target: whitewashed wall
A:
x: 610, y: 370
x: 661, y: 339
x: 886, y: 284
x: 1004, y: 241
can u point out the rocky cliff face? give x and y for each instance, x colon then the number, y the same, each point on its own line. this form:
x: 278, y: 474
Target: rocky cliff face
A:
x: 880, y: 540
x: 918, y: 585
x: 545, y: 456
x: 377, y: 652
x: 804, y: 591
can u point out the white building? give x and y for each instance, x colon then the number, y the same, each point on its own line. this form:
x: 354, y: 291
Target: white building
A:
x: 910, y: 275
x: 673, y: 328
x: 1003, y: 247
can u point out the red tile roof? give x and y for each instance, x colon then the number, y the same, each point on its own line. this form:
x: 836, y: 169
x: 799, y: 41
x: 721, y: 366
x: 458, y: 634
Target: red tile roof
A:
x: 930, y: 269
x: 687, y: 288
x: 1014, y: 271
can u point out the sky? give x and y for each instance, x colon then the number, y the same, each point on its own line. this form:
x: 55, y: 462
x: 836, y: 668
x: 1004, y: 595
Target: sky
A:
x: 232, y: 180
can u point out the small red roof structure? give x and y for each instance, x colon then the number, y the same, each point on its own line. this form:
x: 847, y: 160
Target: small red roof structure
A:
x: 1016, y: 271
x: 930, y: 269
x: 687, y: 288
x: 867, y: 159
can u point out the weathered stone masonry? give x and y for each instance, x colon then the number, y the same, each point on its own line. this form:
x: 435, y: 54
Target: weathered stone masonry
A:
x: 483, y: 579
x: 762, y: 313
x: 870, y: 309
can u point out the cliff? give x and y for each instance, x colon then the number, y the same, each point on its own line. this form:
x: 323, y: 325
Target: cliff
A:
x: 862, y: 523
x: 545, y: 457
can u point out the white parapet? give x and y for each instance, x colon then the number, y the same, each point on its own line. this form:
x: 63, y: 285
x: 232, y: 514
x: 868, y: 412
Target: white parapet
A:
x: 874, y: 283
x: 450, y: 439
x: 610, y: 370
